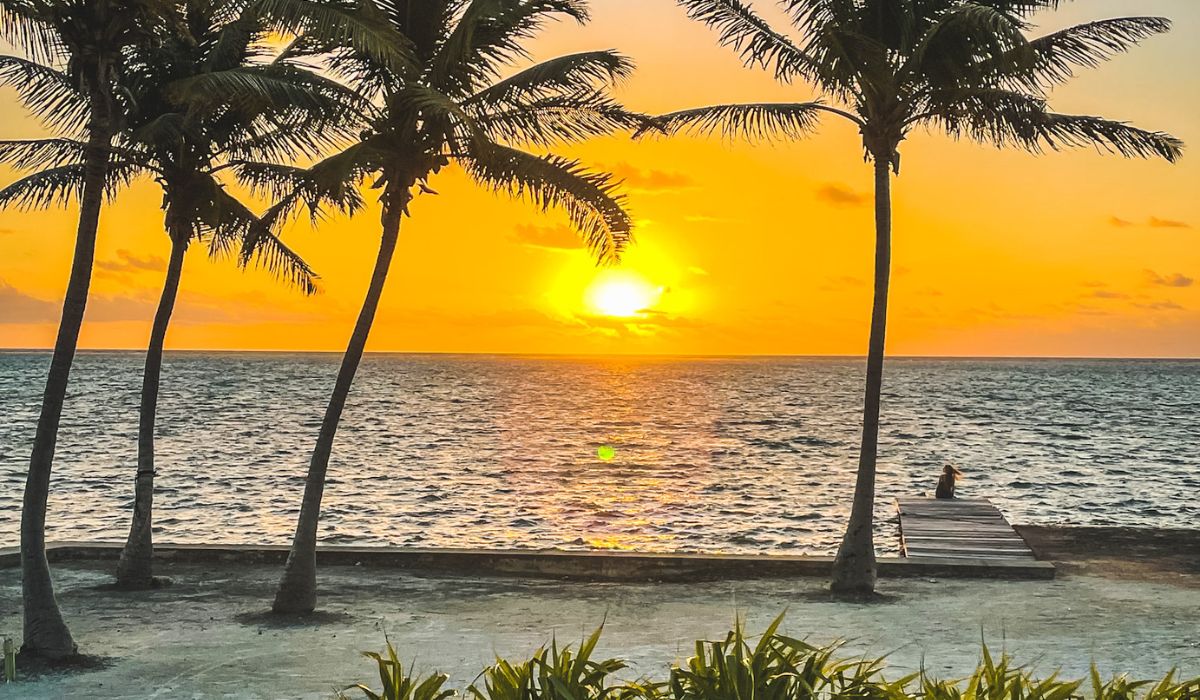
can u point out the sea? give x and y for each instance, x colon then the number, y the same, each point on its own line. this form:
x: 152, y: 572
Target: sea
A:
x: 738, y: 455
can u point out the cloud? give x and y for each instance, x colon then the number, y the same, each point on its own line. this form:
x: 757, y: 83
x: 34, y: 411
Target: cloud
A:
x: 651, y: 180
x: 552, y: 237
x: 1176, y: 279
x: 1105, y: 294
x: 1156, y: 222
x: 130, y: 262
x: 1160, y: 306
x: 1152, y: 222
x: 18, y: 307
x: 841, y: 195
x: 843, y: 282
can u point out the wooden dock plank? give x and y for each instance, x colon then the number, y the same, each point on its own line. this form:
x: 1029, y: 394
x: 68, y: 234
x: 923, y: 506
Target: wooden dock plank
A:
x: 959, y: 529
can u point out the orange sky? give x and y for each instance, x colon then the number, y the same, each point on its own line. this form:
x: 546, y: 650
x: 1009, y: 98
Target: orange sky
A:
x: 740, y: 249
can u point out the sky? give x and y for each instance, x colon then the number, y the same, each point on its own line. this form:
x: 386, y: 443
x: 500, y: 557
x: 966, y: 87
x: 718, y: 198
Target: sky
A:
x: 740, y: 248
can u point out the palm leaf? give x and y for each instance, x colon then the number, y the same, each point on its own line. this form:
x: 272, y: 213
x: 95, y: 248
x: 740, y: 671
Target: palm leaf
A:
x: 47, y: 93
x: 751, y: 36
x: 62, y: 186
x: 590, y: 198
x: 761, y: 121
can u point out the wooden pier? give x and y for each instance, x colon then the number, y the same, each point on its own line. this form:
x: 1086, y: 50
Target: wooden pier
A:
x: 959, y: 528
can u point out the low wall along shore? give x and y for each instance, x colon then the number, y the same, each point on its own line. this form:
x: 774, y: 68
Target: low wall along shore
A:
x: 557, y: 564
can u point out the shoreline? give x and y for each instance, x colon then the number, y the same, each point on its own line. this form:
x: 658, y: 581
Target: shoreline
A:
x: 1165, y: 555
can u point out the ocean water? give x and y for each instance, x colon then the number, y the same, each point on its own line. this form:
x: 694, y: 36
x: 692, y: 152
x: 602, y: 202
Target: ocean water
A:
x: 712, y: 455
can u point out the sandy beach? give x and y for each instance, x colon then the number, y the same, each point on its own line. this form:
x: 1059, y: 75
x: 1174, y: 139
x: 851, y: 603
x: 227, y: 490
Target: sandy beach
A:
x: 204, y: 635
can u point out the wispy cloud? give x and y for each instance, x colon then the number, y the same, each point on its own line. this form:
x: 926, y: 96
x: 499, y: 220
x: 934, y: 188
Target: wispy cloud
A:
x: 1176, y: 279
x: 1152, y: 222
x: 18, y: 307
x: 128, y: 261
x: 651, y: 180
x: 1156, y: 222
x: 1159, y: 306
x: 550, y: 237
x: 1106, y: 294
x: 842, y: 282
x: 841, y: 195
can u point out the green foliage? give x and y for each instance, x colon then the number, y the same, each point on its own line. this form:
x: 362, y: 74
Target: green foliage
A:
x: 398, y: 684
x: 775, y: 667
x: 553, y: 674
x: 962, y: 67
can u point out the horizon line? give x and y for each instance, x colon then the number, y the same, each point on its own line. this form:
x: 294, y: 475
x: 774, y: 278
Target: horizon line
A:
x: 831, y: 356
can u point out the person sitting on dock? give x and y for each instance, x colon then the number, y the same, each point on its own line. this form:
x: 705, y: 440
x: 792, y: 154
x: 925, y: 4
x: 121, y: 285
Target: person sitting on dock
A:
x: 945, y: 487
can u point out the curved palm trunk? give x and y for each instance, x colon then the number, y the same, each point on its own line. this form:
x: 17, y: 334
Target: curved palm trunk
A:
x: 854, y: 570
x: 297, y: 593
x: 135, y: 568
x: 45, y: 632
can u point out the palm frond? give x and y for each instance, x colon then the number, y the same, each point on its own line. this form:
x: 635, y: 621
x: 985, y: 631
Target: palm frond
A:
x: 256, y: 89
x: 753, y: 121
x: 1007, y: 118
x: 62, y: 186
x: 332, y: 182
x: 1052, y: 59
x: 27, y: 25
x: 560, y: 119
x: 47, y: 93
x: 564, y: 74
x: 273, y: 255
x: 259, y: 244
x: 946, y: 51
x: 488, y: 35
x: 335, y: 23
x: 590, y: 199
x: 38, y: 154
x: 758, y: 44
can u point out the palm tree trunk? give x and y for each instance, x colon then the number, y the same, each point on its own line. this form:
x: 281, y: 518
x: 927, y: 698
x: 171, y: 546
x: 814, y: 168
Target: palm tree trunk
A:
x: 135, y: 568
x: 297, y: 593
x: 854, y: 569
x: 45, y: 632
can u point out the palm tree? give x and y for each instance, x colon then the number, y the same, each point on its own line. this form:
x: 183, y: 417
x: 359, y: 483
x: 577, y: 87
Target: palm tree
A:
x: 207, y: 95
x: 448, y: 107
x: 964, y: 67
x: 75, y: 52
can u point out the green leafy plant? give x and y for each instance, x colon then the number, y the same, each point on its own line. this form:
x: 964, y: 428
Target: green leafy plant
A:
x: 775, y: 667
x: 398, y: 684
x: 778, y: 667
x: 556, y: 674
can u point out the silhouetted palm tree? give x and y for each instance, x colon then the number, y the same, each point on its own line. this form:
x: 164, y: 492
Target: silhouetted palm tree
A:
x: 449, y: 106
x: 965, y: 67
x: 205, y: 96
x: 75, y: 52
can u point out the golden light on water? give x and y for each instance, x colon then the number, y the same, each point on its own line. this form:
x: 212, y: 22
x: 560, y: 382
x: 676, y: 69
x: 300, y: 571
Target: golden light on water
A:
x: 621, y: 294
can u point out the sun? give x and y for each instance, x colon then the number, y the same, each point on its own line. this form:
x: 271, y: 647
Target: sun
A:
x: 621, y: 294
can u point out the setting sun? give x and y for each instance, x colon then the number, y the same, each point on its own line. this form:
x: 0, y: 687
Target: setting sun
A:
x: 621, y: 294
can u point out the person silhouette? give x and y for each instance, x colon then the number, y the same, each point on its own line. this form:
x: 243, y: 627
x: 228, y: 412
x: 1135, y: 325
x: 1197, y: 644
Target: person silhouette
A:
x: 945, y: 485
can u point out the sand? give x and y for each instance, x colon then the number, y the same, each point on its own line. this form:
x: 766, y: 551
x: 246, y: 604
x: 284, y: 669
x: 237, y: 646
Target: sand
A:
x: 201, y: 638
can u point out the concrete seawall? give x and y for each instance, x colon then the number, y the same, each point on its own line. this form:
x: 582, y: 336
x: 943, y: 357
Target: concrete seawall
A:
x: 557, y: 564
